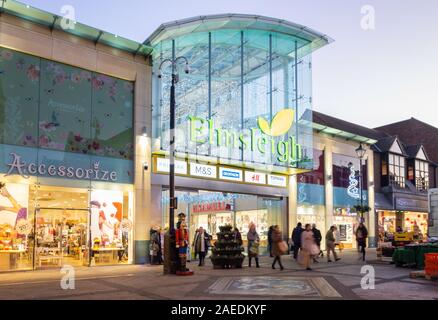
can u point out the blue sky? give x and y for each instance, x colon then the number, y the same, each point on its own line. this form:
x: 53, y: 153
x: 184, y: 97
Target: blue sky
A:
x: 369, y: 77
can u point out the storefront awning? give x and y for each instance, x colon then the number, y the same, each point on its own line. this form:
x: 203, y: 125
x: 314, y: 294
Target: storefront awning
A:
x: 382, y: 202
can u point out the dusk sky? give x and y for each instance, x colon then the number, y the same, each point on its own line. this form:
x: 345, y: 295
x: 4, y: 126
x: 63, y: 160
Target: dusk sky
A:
x: 370, y: 77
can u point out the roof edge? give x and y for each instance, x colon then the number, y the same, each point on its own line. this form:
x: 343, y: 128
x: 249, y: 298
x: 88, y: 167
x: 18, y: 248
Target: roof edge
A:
x: 176, y: 23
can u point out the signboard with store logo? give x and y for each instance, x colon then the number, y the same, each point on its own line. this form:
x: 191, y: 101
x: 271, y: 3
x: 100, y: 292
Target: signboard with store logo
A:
x: 218, y: 172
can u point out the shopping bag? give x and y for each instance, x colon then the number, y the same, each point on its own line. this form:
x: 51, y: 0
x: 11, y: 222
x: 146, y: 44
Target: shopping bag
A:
x: 282, y: 246
x: 314, y: 250
x: 303, y: 257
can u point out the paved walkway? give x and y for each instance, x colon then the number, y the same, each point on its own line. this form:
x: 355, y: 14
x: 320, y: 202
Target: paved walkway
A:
x: 340, y: 280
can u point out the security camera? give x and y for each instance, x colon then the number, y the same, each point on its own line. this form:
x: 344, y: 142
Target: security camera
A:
x: 159, y: 74
x: 145, y: 166
x: 187, y: 69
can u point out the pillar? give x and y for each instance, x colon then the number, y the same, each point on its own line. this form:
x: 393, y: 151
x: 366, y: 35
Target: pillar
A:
x: 328, y: 168
x: 293, y: 204
x: 371, y: 221
x: 142, y: 188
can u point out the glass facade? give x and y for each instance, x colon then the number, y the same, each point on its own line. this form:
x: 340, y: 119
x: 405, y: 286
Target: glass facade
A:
x: 66, y: 164
x: 239, y: 81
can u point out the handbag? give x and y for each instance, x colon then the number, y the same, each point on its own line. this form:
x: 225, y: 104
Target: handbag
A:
x: 303, y: 257
x: 282, y: 247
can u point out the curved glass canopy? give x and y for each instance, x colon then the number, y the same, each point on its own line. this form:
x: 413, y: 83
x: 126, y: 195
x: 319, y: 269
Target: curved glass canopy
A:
x: 245, y: 71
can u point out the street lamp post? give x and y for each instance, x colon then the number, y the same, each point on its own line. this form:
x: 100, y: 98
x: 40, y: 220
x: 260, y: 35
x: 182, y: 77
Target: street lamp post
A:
x: 170, y: 252
x: 360, y: 151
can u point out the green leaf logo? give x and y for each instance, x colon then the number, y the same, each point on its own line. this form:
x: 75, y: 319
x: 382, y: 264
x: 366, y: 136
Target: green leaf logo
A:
x: 280, y: 124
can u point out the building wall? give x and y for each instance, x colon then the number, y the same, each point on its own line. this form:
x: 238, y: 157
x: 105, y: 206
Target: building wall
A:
x: 31, y: 38
x: 332, y: 145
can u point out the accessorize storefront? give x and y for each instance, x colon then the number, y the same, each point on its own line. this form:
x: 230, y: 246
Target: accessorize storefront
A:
x: 66, y: 165
x: 243, y: 117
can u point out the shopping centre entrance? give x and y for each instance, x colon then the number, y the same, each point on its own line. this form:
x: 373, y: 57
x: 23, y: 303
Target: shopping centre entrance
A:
x: 211, y: 209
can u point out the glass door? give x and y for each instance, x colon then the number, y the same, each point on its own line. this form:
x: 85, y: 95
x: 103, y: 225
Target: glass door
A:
x: 62, y: 237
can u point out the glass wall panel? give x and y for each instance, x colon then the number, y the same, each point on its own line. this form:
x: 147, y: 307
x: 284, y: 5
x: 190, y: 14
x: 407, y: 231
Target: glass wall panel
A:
x: 239, y: 81
x: 211, y: 210
x: 65, y: 108
x: 19, y: 95
x: 112, y: 117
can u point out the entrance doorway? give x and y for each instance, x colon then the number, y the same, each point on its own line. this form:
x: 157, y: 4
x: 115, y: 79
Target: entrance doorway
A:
x: 61, y: 237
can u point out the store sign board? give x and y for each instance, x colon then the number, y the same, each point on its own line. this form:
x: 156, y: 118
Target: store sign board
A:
x: 211, y: 207
x: 163, y: 165
x: 230, y: 174
x: 266, y: 138
x: 277, y: 181
x: 255, y: 177
x: 203, y: 170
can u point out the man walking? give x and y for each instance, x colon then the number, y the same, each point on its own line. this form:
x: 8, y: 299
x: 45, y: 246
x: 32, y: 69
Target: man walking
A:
x: 296, y: 239
x: 318, y: 237
x: 330, y: 244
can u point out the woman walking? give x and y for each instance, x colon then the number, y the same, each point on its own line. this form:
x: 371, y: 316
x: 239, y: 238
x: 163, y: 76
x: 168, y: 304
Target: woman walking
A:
x: 361, y: 238
x: 253, y: 245
x: 202, y: 242
x: 277, y: 251
x: 271, y: 229
x: 308, y: 246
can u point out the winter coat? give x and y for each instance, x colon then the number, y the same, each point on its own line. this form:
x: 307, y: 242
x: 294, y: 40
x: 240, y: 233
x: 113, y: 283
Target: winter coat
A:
x: 198, y: 242
x: 276, y: 239
x: 253, y: 241
x: 296, y: 236
x: 308, y: 243
x: 317, y: 235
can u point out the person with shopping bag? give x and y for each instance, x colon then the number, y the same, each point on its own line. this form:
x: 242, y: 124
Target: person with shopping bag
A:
x: 253, y: 245
x: 279, y: 247
x: 309, y: 248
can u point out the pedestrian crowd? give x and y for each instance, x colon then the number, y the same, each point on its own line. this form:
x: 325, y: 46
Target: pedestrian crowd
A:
x: 305, y: 244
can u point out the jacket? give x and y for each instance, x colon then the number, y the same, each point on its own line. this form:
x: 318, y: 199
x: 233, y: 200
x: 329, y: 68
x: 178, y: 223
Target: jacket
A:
x: 361, y: 233
x: 198, y: 247
x: 276, y: 239
x: 317, y: 235
x: 330, y: 236
x: 296, y: 236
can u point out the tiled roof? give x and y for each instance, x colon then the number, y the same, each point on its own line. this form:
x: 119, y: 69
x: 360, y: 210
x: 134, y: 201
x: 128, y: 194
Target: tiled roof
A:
x: 343, y: 125
x: 413, y: 132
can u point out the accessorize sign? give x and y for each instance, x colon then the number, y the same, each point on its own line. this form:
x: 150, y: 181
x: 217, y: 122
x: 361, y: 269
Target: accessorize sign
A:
x: 27, y: 162
x: 18, y: 166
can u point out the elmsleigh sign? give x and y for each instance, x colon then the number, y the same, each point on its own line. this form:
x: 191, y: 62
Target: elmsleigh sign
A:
x: 267, y: 138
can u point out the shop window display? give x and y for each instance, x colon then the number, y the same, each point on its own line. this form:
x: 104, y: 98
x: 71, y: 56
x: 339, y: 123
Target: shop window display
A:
x: 47, y: 226
x: 212, y: 210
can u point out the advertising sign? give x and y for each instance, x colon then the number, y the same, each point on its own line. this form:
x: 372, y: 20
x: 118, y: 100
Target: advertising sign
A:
x: 255, y: 177
x: 277, y: 181
x: 163, y: 165
x: 230, y: 174
x: 202, y: 170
